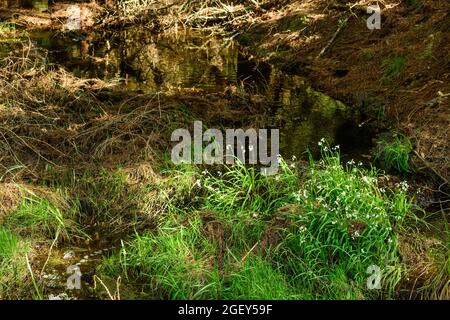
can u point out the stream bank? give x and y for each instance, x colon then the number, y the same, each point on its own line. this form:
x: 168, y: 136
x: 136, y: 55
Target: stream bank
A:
x: 145, y: 86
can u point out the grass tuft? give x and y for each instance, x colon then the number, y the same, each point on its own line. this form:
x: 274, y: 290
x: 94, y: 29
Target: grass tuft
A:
x: 394, y: 154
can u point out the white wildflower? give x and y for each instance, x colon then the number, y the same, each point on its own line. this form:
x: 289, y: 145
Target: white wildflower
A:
x: 321, y: 142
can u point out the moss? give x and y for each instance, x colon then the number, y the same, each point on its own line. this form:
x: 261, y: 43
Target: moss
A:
x: 325, y: 105
x: 297, y: 23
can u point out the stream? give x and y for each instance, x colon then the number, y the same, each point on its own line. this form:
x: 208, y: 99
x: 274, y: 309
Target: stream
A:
x: 197, y: 63
x: 188, y: 60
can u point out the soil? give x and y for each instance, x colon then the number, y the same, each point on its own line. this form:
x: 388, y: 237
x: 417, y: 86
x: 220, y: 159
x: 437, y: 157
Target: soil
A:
x: 353, y: 68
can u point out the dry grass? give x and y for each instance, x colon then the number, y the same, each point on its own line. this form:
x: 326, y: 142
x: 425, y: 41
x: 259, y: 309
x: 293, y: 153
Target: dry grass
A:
x: 426, y: 267
x: 50, y: 117
x: 9, y: 199
x: 215, y: 15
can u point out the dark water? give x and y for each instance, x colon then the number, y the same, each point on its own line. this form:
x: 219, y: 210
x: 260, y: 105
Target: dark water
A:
x: 191, y: 61
x: 144, y: 61
x: 40, y: 5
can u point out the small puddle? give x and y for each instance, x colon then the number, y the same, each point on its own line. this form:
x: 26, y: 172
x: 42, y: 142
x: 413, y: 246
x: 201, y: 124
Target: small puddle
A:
x: 144, y: 61
x: 67, y: 272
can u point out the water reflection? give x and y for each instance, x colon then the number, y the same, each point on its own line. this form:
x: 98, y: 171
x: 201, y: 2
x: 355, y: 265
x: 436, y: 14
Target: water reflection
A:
x: 144, y: 60
x: 41, y: 5
x: 148, y: 62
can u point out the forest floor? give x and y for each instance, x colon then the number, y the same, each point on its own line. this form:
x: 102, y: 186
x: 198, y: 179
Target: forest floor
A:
x: 84, y: 166
x: 400, y: 71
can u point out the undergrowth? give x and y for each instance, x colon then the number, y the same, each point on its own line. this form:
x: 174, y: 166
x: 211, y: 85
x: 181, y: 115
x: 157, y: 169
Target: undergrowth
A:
x: 394, y: 153
x: 12, y: 265
x: 272, y: 237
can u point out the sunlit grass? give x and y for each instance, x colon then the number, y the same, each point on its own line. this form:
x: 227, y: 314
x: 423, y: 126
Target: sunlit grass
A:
x: 339, y: 222
x: 243, y: 190
x: 38, y: 216
x: 12, y: 265
x: 258, y: 279
x: 345, y: 223
x: 176, y: 263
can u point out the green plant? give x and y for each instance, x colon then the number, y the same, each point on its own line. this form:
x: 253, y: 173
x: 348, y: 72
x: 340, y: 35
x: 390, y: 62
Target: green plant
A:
x: 439, y: 285
x: 394, y: 153
x: 429, y: 48
x: 8, y: 243
x: 242, y: 190
x: 258, y: 279
x: 7, y: 28
x: 297, y: 23
x: 12, y: 265
x: 176, y: 263
x: 272, y: 237
x: 9, y: 34
x: 102, y: 195
x: 181, y: 189
x: 39, y: 216
x: 394, y: 67
x: 344, y: 224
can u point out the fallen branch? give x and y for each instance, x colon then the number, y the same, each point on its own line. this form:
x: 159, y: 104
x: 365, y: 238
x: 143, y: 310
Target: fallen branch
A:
x: 341, y: 26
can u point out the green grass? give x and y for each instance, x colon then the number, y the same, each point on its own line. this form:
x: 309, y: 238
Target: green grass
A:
x: 394, y: 67
x: 181, y: 190
x: 242, y: 190
x: 258, y: 279
x: 12, y: 266
x: 109, y: 199
x: 39, y: 216
x: 103, y: 195
x: 438, y: 287
x: 296, y: 23
x: 8, y: 243
x: 336, y: 222
x: 394, y: 153
x: 176, y: 263
x: 9, y: 33
x: 345, y: 223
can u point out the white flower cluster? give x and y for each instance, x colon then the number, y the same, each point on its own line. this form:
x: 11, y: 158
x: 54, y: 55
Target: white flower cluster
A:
x: 355, y: 234
x: 335, y: 148
x: 321, y: 142
x: 403, y: 186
